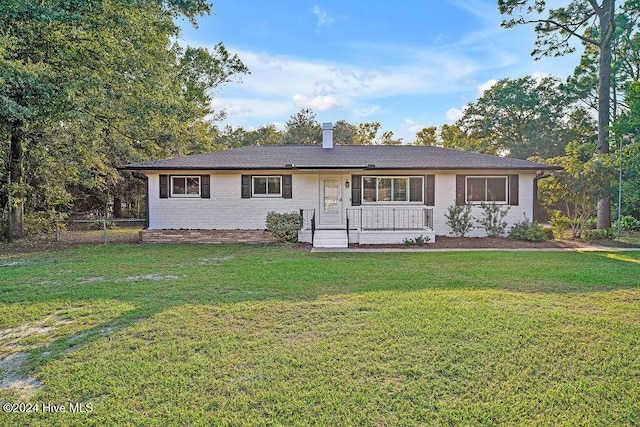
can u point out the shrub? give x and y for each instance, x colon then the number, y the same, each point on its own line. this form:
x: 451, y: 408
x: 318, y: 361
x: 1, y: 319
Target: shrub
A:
x: 590, y: 223
x: 559, y: 224
x: 629, y: 223
x: 418, y: 241
x: 459, y: 219
x: 493, y: 219
x: 36, y: 223
x: 604, y: 234
x: 527, y: 230
x: 284, y: 226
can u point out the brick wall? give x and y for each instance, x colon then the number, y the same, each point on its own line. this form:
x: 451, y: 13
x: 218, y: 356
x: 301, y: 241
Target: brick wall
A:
x: 226, y: 210
x: 206, y: 236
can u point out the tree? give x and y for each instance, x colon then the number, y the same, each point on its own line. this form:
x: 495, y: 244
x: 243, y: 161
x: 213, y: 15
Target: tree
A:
x: 302, y: 129
x: 267, y: 135
x: 426, y: 136
x: 454, y: 137
x: 344, y: 132
x: 389, y: 139
x: 231, y: 137
x: 625, y: 63
x: 589, y: 21
x: 576, y: 188
x: 521, y: 118
x: 627, y: 133
x: 366, y: 133
x: 29, y: 93
x: 104, y: 84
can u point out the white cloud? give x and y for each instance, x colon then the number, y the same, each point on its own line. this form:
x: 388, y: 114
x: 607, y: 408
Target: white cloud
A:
x: 280, y: 85
x: 453, y: 114
x: 363, y: 112
x: 412, y: 126
x: 384, y: 82
x: 317, y: 103
x: 538, y: 76
x: 325, y: 88
x: 322, y: 16
x: 279, y: 125
x: 486, y: 86
x: 283, y: 76
x: 240, y: 109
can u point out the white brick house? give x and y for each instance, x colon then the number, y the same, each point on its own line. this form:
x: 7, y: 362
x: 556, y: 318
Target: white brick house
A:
x: 366, y: 194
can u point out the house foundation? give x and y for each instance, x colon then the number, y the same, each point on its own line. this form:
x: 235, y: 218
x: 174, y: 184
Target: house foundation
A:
x: 206, y: 236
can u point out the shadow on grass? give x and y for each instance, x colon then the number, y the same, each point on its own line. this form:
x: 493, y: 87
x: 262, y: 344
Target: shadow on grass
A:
x: 156, y: 278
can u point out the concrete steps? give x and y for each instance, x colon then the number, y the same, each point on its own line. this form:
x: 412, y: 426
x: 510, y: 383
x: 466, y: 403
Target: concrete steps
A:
x: 330, y: 239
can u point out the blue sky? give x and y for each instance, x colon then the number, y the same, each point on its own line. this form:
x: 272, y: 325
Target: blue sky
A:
x: 406, y: 64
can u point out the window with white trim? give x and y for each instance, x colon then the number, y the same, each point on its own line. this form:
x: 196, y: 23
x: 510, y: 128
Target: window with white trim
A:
x: 487, y: 189
x: 185, y: 186
x: 392, y: 189
x: 267, y: 186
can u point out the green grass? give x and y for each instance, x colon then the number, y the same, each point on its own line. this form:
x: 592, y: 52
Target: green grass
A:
x: 254, y: 335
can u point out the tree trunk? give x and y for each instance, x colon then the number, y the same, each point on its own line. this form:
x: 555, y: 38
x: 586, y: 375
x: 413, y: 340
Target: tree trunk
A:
x: 15, y: 226
x: 607, y: 27
x: 117, y: 207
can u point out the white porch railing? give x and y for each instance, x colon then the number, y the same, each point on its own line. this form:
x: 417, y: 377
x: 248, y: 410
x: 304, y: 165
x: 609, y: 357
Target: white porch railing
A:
x: 389, y: 218
x: 308, y: 220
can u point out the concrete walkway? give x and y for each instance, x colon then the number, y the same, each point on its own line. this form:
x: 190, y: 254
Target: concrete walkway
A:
x: 589, y: 248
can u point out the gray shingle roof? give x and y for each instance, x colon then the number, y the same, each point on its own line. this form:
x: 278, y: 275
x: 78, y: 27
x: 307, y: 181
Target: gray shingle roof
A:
x: 339, y: 157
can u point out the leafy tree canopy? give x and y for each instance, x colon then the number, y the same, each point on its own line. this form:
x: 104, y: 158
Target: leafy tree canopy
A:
x: 524, y: 117
x: 105, y: 83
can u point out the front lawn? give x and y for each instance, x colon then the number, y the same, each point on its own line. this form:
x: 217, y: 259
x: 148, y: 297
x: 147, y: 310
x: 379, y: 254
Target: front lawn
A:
x: 257, y: 335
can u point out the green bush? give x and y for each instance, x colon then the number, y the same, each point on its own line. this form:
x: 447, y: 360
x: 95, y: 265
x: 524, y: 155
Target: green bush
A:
x: 629, y: 223
x: 559, y: 224
x: 284, y: 226
x: 604, y: 234
x: 590, y: 223
x: 459, y: 219
x: 36, y: 223
x: 493, y: 218
x: 418, y: 241
x: 527, y: 230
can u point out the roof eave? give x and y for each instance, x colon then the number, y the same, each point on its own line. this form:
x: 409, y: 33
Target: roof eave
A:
x: 329, y: 167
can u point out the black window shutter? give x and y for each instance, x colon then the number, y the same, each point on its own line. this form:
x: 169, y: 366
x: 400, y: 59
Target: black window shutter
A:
x: 246, y: 186
x: 287, y: 187
x: 513, y: 190
x: 205, y: 186
x: 429, y: 190
x: 460, y: 189
x: 164, y: 186
x: 356, y: 191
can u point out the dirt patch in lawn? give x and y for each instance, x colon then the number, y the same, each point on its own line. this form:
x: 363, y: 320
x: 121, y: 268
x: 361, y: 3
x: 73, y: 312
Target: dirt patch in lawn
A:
x: 10, y: 368
x: 30, y: 334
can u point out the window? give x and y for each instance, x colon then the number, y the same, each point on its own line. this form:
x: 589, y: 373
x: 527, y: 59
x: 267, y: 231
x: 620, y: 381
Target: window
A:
x: 378, y: 189
x: 185, y: 186
x: 486, y: 189
x: 267, y: 186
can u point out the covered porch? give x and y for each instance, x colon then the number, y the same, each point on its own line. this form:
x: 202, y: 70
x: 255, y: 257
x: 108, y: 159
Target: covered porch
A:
x: 369, y: 225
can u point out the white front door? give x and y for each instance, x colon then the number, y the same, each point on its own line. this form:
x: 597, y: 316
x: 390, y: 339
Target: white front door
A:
x: 330, y: 201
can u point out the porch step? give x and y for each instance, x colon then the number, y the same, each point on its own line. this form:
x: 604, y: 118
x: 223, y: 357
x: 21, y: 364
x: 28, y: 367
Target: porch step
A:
x: 330, y: 239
